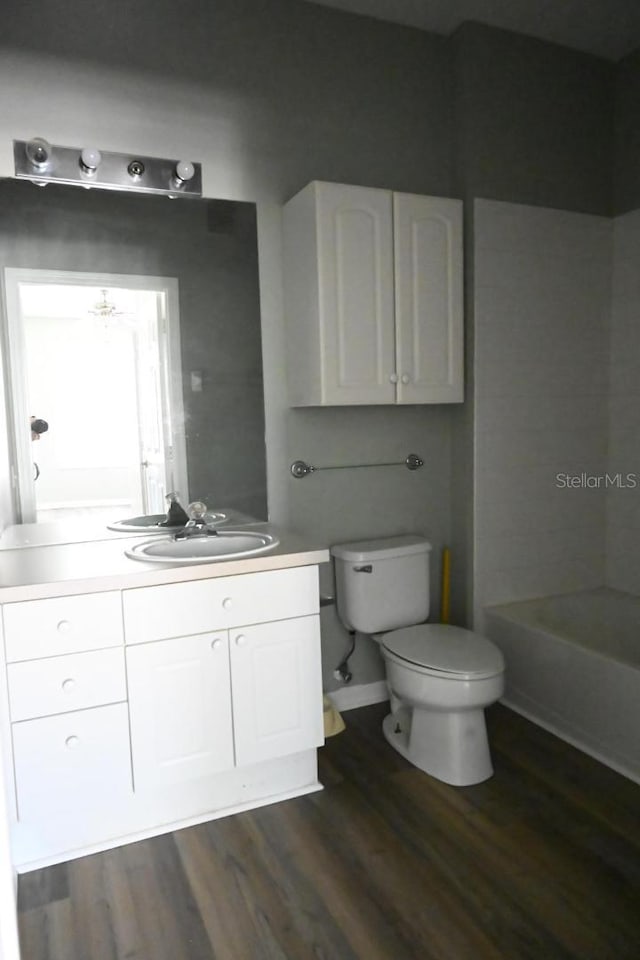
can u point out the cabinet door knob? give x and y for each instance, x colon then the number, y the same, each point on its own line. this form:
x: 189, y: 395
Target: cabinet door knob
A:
x: 68, y: 684
x: 241, y: 640
x: 216, y: 644
x: 393, y: 378
x: 63, y: 627
x: 227, y: 603
x: 406, y: 378
x: 72, y: 742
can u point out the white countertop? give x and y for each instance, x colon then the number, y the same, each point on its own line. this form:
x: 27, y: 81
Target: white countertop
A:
x: 80, y: 531
x: 60, y: 569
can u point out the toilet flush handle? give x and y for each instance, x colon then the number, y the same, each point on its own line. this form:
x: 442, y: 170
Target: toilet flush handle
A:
x: 368, y: 568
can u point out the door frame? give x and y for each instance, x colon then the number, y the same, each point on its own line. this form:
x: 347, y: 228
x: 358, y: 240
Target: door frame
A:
x: 22, y: 468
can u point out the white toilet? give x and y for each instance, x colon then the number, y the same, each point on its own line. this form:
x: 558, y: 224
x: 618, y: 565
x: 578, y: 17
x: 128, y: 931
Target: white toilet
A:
x: 440, y: 677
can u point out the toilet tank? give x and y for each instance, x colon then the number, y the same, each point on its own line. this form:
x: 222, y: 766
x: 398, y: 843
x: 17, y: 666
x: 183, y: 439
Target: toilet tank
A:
x: 382, y: 584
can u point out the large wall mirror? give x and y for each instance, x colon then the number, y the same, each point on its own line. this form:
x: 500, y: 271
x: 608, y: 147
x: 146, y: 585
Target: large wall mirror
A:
x: 131, y: 326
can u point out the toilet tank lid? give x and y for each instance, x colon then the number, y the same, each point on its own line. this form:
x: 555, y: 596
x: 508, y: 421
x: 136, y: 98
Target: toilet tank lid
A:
x: 384, y: 548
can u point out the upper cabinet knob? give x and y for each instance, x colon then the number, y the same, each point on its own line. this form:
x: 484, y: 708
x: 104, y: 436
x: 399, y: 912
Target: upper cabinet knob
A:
x: 227, y: 603
x: 216, y: 644
x: 71, y: 743
x: 406, y: 378
x: 241, y: 640
x: 63, y: 627
x: 393, y: 378
x: 68, y: 684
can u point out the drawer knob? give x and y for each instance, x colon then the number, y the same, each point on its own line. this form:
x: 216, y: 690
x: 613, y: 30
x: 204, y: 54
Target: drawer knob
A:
x: 227, y: 603
x: 216, y: 644
x: 63, y: 627
x: 72, y: 742
x: 68, y: 684
x: 241, y: 640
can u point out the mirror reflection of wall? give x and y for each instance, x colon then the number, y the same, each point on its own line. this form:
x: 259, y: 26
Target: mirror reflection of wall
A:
x: 210, y: 248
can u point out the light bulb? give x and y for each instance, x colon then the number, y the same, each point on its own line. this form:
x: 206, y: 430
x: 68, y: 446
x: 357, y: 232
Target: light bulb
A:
x: 90, y: 159
x: 38, y: 152
x: 184, y: 170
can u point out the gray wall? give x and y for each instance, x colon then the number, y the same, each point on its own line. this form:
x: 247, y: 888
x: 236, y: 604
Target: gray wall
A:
x: 534, y: 121
x: 626, y: 171
x: 293, y: 91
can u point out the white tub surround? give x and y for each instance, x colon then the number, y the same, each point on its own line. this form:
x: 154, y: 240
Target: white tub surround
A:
x: 573, y: 666
x: 542, y: 285
x: 140, y: 698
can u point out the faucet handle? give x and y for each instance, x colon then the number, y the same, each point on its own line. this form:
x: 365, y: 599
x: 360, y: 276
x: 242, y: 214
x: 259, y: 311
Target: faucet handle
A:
x: 197, y: 510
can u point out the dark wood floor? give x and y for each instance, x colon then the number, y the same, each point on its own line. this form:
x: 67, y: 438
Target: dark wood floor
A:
x: 542, y: 862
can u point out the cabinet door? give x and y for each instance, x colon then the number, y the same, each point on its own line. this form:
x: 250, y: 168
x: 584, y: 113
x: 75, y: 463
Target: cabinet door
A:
x: 429, y: 308
x: 355, y: 254
x: 180, y: 709
x: 277, y: 689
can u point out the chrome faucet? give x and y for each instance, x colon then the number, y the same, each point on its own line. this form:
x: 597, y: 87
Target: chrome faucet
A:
x: 197, y: 526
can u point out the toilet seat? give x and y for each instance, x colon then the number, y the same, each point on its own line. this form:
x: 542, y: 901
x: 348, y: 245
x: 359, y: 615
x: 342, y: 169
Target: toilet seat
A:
x: 444, y: 651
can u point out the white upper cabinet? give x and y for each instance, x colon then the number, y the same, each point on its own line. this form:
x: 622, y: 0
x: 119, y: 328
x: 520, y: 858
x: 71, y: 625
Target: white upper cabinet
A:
x: 373, y: 297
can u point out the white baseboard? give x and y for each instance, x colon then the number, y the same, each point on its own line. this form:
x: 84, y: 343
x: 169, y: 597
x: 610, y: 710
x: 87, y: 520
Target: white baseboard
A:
x: 361, y: 695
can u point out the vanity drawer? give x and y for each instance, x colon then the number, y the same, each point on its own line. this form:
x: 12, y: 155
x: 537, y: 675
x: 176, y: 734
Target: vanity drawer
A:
x: 72, y: 763
x: 38, y: 688
x: 200, y: 606
x: 46, y: 628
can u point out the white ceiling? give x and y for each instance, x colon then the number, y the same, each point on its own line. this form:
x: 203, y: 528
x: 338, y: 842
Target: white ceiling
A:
x: 607, y: 28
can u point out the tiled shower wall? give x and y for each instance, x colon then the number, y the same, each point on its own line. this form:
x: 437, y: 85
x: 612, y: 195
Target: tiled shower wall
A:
x: 623, y: 502
x: 541, y: 304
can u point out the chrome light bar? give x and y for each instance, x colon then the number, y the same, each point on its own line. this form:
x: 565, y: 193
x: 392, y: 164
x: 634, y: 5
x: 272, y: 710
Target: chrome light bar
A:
x: 43, y: 163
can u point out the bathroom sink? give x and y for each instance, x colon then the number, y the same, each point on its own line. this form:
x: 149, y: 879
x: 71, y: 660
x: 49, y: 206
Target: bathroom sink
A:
x: 150, y: 523
x: 203, y: 549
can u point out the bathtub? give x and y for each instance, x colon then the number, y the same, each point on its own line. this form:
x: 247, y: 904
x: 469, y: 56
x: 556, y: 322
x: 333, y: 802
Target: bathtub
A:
x: 573, y: 666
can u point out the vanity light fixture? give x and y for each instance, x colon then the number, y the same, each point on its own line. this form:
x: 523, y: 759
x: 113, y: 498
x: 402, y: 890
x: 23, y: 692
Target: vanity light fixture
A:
x: 40, y: 162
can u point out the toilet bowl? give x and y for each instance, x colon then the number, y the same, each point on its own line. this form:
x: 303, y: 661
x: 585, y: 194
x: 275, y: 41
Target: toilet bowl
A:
x: 440, y: 677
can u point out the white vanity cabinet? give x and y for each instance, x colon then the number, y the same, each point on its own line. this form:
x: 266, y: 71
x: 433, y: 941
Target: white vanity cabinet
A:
x: 207, y: 700
x: 373, y: 297
x: 66, y: 691
x: 131, y: 712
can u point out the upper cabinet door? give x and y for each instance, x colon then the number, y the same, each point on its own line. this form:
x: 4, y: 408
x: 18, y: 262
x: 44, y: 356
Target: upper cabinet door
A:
x: 428, y: 292
x: 355, y: 252
x: 338, y: 289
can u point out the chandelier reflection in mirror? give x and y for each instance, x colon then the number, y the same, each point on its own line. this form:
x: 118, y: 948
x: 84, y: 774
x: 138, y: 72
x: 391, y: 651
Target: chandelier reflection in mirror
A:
x: 106, y: 310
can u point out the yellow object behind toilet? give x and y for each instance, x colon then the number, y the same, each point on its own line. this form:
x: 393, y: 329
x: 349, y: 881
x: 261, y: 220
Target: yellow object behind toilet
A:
x: 333, y: 722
